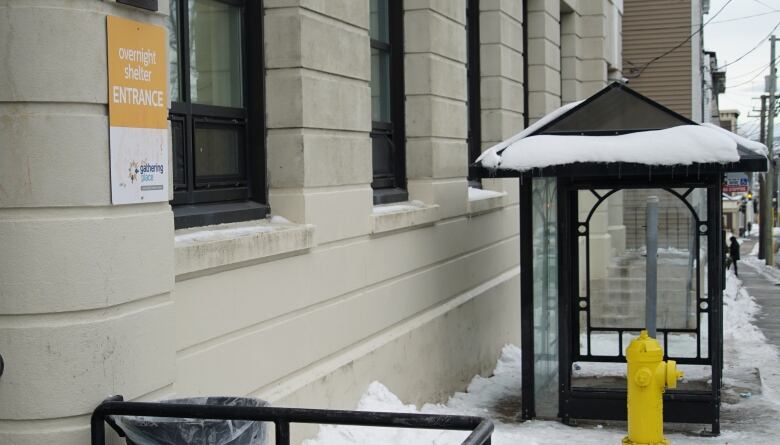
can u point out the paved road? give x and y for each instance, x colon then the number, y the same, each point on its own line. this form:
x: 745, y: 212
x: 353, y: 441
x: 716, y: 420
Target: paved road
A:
x: 767, y: 295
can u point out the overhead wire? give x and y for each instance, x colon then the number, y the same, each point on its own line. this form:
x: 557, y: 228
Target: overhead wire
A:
x: 760, y: 42
x: 745, y: 17
x: 678, y: 46
x: 752, y: 72
x: 765, y: 5
x: 752, y: 78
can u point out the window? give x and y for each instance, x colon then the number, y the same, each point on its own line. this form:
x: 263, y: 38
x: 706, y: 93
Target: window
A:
x: 216, y: 114
x: 387, y: 101
x: 473, y: 101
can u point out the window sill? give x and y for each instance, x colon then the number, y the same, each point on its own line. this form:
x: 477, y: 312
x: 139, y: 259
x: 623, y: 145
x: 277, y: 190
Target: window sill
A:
x: 483, y: 201
x: 387, y: 218
x: 203, y: 248
x: 200, y: 215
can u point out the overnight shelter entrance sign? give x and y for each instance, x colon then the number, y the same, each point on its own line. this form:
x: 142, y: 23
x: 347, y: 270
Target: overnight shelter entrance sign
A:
x: 138, y: 111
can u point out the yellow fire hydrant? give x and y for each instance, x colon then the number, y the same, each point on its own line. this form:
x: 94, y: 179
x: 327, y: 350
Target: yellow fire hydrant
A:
x: 648, y: 377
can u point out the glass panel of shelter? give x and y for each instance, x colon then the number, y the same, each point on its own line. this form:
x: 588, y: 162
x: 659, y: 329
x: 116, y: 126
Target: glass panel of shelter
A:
x: 610, y: 305
x: 545, y: 291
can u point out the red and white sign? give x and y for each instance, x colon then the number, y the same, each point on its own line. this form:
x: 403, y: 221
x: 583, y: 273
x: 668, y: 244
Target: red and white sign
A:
x: 735, y: 189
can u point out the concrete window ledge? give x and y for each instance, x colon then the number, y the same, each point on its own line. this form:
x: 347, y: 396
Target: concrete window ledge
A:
x: 403, y: 215
x: 202, y: 248
x: 483, y: 201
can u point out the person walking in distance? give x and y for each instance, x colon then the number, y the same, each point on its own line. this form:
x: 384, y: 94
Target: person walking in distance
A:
x: 734, y: 253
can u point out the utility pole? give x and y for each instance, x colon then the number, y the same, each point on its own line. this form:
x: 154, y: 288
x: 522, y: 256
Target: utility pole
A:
x: 761, y: 184
x: 767, y: 209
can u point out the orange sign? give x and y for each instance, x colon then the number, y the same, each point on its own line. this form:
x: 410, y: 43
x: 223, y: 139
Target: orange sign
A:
x: 137, y: 74
x: 138, y: 111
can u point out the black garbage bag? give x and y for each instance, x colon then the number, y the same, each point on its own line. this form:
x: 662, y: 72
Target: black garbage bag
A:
x: 176, y: 431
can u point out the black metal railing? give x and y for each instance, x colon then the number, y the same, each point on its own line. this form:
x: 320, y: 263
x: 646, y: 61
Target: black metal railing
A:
x: 481, y: 429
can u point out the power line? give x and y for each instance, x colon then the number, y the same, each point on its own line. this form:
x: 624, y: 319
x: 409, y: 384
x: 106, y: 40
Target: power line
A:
x: 751, y: 72
x: 765, y: 5
x: 775, y: 11
x: 701, y: 28
x: 760, y: 42
x: 750, y: 80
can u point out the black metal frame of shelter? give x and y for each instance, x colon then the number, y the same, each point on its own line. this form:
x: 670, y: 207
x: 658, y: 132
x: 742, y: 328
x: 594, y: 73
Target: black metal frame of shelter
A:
x: 685, y: 406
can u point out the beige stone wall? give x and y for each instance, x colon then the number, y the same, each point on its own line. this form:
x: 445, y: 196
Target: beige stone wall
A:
x: 85, y: 287
x: 572, y: 51
x: 307, y: 310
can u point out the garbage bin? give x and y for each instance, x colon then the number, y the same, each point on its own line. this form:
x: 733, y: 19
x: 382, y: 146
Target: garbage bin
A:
x: 177, y: 431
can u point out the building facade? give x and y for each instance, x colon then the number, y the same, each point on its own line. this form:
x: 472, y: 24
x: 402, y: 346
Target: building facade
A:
x: 320, y: 232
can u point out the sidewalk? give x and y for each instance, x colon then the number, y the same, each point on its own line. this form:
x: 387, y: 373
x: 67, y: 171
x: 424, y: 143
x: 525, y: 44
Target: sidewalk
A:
x: 764, y: 286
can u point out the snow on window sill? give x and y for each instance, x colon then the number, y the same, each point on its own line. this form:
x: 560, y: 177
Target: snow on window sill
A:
x: 482, y: 201
x: 389, y: 217
x: 203, y: 248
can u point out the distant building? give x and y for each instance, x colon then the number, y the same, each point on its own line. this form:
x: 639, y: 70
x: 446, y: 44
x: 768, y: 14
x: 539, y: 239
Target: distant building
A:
x: 728, y: 119
x: 686, y: 79
x: 713, y: 84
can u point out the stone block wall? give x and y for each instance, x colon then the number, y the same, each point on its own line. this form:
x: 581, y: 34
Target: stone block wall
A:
x: 302, y: 310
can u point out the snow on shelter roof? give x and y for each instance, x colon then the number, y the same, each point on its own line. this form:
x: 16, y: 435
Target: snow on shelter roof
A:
x: 619, y: 126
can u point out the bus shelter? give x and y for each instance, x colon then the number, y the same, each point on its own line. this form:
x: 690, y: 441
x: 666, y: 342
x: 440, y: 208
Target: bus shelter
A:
x: 585, y: 173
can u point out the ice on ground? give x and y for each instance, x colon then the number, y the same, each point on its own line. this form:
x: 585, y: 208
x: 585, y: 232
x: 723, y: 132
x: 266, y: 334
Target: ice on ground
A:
x: 476, y: 194
x: 745, y: 421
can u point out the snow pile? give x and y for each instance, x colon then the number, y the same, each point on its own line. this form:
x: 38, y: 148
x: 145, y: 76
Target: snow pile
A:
x: 219, y: 233
x: 491, y: 156
x: 681, y: 145
x: 497, y: 397
x: 476, y: 194
x: 395, y: 208
x: 739, y: 311
x: 754, y: 146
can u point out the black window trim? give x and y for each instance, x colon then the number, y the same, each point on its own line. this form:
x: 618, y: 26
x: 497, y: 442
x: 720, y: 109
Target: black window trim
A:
x: 231, y: 200
x: 393, y: 188
x: 474, y: 135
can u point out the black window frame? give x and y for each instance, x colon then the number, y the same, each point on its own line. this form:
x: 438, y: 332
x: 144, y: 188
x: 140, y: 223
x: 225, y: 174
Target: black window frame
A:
x: 219, y: 200
x: 392, y: 187
x: 473, y: 88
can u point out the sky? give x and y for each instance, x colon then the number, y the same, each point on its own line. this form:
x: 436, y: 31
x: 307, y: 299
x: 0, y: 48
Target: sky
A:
x: 740, y: 26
